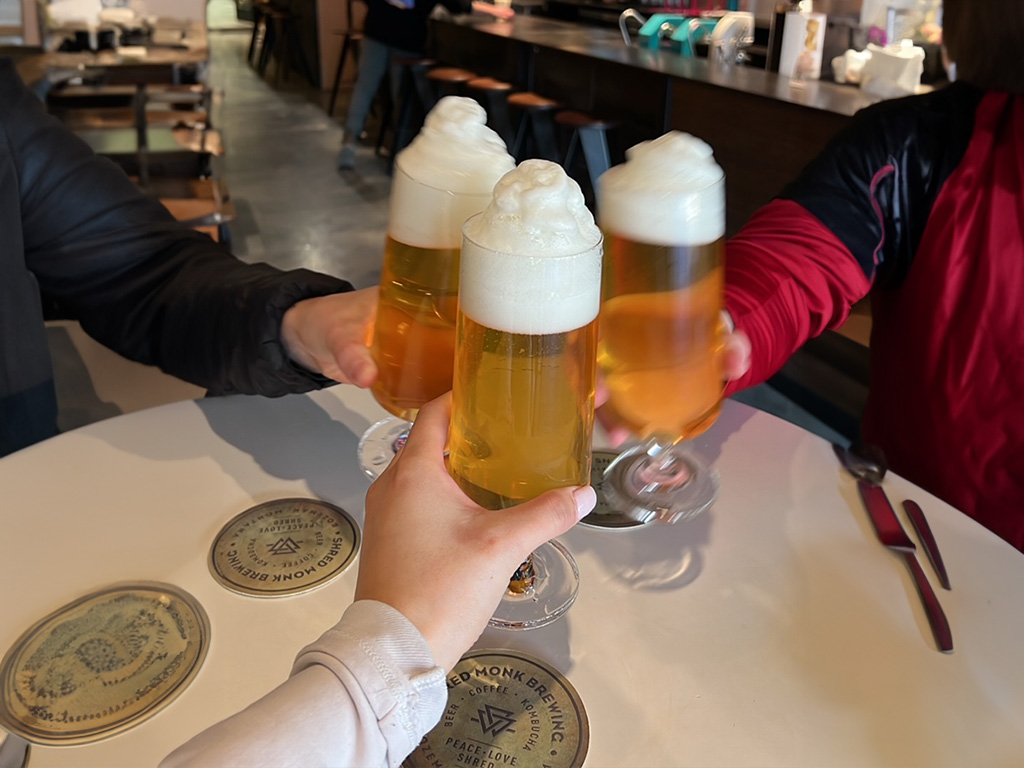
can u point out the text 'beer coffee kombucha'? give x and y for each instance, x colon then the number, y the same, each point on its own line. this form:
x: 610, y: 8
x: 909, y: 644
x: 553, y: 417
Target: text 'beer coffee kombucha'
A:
x: 523, y: 393
x: 441, y: 179
x: 663, y: 218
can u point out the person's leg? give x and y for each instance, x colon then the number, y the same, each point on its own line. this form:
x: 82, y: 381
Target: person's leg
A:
x: 373, y: 64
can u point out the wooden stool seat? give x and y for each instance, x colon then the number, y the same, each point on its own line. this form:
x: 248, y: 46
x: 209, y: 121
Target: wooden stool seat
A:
x: 532, y: 101
x: 451, y: 75
x: 488, y: 84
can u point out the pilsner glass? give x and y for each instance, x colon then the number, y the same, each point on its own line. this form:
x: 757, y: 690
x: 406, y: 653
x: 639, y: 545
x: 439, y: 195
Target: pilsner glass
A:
x: 445, y: 176
x: 661, y: 336
x: 525, y: 366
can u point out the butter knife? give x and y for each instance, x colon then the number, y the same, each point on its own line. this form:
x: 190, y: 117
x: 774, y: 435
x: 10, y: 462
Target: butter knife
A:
x: 891, y: 534
x: 924, y: 533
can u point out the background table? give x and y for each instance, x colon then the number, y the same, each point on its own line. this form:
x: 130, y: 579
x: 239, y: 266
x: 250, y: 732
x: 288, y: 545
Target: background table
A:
x: 772, y: 631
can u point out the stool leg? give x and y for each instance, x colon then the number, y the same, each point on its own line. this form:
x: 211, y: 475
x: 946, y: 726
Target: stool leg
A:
x: 595, y: 152
x: 570, y: 153
x: 519, y: 143
x: 544, y: 137
x: 497, y: 110
x: 257, y: 18
x: 268, y: 44
x: 337, y: 75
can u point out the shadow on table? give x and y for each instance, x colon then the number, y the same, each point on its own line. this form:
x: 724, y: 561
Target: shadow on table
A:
x: 292, y: 438
x: 655, y: 556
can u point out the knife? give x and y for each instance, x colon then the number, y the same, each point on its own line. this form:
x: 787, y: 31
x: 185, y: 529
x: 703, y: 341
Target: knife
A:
x: 924, y: 532
x: 891, y: 534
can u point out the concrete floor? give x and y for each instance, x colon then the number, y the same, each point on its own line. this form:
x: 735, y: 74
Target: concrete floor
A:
x: 294, y: 210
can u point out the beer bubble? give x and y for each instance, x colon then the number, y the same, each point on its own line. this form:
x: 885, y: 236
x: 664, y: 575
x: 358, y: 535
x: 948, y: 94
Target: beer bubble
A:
x: 670, y: 191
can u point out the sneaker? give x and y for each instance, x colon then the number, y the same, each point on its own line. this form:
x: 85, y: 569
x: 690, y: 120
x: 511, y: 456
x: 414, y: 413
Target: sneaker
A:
x: 346, y: 158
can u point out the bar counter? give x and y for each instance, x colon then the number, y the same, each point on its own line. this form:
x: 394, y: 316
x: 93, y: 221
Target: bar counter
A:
x: 763, y: 128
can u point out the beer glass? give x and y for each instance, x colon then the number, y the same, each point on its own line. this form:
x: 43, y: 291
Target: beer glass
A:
x: 661, y: 335
x: 445, y: 176
x: 525, y: 366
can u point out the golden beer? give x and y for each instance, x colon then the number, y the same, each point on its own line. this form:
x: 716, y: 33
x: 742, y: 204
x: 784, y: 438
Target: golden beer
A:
x: 523, y: 412
x: 414, y: 335
x: 445, y: 176
x: 660, y: 343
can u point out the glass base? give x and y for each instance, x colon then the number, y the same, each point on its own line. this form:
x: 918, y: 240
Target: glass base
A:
x: 553, y: 593
x: 679, y: 488
x: 380, y: 443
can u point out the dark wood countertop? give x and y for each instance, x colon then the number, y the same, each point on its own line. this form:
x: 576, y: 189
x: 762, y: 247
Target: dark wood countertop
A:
x: 607, y: 45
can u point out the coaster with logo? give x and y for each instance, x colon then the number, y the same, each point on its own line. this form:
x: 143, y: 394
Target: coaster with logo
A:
x: 506, y: 709
x: 284, y: 547
x: 604, y: 514
x: 102, y: 663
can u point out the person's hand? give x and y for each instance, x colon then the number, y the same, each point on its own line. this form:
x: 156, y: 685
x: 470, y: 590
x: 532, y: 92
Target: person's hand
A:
x: 438, y: 557
x: 736, y: 351
x: 330, y: 334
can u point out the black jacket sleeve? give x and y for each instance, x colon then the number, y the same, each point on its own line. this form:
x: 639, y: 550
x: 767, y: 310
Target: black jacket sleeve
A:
x: 139, y: 282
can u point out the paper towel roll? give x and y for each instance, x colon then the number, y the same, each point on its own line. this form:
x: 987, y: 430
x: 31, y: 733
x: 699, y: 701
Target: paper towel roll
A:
x: 803, y: 37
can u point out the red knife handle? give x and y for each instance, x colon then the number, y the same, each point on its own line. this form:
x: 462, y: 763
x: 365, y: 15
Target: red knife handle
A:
x: 936, y: 617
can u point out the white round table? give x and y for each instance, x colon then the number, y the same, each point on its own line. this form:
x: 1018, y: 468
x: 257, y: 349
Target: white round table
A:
x: 774, y: 630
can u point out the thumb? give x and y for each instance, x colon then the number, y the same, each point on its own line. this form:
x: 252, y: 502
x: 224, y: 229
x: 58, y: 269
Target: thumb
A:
x: 551, y: 514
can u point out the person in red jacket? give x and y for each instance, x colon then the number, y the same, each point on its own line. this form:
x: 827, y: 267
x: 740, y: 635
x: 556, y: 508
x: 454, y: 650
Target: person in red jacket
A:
x: 919, y: 204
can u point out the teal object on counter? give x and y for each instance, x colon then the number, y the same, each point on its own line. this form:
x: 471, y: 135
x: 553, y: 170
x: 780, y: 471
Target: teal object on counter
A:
x: 651, y: 33
x: 688, y: 33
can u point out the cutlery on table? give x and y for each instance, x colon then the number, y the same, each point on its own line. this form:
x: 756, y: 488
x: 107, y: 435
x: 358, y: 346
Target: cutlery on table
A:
x: 924, y: 533
x: 867, y: 466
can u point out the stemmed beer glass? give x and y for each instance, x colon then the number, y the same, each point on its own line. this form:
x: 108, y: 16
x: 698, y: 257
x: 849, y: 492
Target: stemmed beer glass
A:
x: 441, y: 179
x: 525, y: 366
x: 661, y: 337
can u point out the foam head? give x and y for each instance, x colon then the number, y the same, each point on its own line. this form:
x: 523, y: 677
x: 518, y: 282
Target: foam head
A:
x: 446, y: 174
x: 670, y: 191
x: 531, y: 261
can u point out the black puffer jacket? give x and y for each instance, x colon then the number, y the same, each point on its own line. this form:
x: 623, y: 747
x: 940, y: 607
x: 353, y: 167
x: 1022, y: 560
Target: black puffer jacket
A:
x: 75, y: 228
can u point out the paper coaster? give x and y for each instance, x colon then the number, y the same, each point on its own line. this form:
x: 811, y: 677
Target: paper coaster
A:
x: 506, y: 709
x: 284, y: 547
x: 102, y: 663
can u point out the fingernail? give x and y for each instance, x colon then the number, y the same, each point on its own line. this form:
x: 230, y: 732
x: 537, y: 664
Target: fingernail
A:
x: 585, y: 498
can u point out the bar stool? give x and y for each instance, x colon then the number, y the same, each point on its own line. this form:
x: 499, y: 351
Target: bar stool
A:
x: 448, y: 81
x: 590, y: 134
x: 536, y: 129
x: 350, y: 43
x: 415, y: 99
x: 493, y: 97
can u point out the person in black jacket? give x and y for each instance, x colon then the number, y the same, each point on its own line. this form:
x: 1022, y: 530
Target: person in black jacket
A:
x: 393, y: 29
x: 73, y: 227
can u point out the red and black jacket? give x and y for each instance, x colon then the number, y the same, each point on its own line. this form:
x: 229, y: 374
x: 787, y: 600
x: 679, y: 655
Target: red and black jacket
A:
x: 919, y: 202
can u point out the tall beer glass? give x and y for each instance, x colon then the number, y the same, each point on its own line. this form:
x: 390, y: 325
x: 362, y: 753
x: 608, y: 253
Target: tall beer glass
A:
x: 525, y: 366
x: 663, y: 217
x: 441, y: 179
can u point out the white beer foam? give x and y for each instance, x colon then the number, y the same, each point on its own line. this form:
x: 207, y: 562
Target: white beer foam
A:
x: 670, y: 191
x: 531, y: 262
x: 446, y: 175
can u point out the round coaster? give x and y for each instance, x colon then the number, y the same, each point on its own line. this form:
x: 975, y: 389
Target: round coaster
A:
x: 605, y: 515
x: 102, y: 663
x: 506, y: 709
x: 284, y: 547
